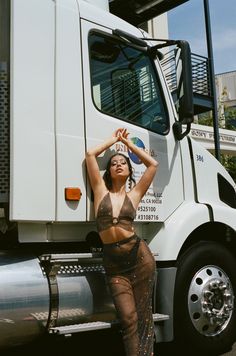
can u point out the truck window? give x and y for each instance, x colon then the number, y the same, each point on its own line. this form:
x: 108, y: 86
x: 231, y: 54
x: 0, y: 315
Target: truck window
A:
x: 125, y: 84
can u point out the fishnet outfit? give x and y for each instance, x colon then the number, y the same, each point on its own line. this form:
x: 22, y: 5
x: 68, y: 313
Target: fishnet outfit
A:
x: 130, y: 269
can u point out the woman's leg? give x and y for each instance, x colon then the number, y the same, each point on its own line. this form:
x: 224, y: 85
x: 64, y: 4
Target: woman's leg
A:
x: 143, y: 283
x: 132, y: 295
x: 123, y: 298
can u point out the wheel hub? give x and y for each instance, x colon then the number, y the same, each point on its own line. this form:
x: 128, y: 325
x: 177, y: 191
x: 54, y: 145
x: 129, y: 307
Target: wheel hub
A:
x: 210, y: 300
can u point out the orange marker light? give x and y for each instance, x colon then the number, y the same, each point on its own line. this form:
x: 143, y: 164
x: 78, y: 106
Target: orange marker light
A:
x: 72, y: 194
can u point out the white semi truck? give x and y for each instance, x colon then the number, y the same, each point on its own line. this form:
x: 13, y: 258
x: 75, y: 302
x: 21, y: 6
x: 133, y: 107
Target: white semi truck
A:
x: 70, y: 74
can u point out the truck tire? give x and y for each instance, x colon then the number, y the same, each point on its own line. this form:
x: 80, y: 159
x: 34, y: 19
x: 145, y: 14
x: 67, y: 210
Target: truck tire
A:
x: 204, y: 307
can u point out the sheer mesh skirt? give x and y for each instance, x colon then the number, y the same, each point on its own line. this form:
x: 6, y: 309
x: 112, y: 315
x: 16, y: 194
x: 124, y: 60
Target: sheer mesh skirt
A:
x: 130, y: 268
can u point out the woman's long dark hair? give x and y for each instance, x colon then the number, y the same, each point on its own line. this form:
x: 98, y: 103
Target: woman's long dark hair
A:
x: 107, y: 174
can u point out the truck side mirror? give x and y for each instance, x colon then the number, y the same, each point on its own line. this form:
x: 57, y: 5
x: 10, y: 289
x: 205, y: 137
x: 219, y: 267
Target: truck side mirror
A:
x: 183, y: 92
x: 184, y: 102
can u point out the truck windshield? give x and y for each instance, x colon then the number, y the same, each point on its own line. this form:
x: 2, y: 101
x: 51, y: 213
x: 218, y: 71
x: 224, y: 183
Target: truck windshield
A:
x: 125, y: 84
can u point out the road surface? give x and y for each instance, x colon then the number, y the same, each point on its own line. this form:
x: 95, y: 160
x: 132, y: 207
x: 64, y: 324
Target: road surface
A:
x: 100, y: 343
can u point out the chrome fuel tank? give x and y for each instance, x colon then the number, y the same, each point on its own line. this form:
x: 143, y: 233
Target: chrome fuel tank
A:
x: 39, y: 293
x: 24, y: 294
x: 79, y: 291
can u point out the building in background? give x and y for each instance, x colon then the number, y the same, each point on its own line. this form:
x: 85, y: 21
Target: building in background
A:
x: 157, y: 27
x: 226, y: 98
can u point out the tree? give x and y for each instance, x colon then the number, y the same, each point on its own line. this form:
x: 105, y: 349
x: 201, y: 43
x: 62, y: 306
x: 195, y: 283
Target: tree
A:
x: 227, y: 120
x: 229, y: 162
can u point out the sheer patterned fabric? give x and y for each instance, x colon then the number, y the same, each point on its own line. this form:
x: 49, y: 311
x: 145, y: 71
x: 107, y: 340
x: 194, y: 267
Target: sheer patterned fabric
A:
x: 105, y: 218
x: 130, y: 268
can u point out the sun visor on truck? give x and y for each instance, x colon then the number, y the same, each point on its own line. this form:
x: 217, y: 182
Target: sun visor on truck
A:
x: 137, y: 12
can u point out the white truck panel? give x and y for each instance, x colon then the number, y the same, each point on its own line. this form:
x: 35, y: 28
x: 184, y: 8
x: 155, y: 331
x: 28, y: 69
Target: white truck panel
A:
x: 32, y: 182
x: 225, y: 215
x: 70, y: 150
x: 103, y: 4
x: 33, y: 232
x: 206, y: 169
x: 54, y: 232
x: 104, y: 18
x: 175, y: 230
x: 188, y: 180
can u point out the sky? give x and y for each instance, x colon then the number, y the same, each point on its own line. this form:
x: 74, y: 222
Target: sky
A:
x: 187, y: 22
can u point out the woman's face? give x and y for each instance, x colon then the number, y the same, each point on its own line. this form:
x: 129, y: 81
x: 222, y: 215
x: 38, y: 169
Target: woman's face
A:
x: 119, y: 167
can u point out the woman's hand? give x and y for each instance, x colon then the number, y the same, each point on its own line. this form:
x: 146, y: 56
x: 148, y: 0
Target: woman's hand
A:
x: 122, y: 135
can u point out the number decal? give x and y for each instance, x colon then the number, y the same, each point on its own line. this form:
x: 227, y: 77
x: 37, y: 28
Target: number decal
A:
x: 200, y: 158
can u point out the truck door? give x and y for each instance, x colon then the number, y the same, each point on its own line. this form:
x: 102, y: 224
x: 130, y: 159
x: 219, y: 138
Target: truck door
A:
x: 122, y: 88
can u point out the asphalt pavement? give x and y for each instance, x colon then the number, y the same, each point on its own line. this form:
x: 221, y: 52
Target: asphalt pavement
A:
x: 232, y: 352
x: 101, y: 343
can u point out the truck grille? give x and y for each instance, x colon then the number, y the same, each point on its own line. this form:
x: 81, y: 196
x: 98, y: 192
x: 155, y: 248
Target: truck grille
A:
x: 4, y: 133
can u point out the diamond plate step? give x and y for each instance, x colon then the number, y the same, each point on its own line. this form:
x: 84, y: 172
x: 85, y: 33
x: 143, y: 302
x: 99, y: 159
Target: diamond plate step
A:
x: 97, y: 325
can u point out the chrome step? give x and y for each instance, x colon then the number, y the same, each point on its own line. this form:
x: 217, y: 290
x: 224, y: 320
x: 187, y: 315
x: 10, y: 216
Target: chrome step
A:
x: 96, y: 325
x: 70, y: 257
x: 71, y: 329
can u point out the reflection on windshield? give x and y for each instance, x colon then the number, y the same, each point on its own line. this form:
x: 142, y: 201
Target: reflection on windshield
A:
x: 125, y: 85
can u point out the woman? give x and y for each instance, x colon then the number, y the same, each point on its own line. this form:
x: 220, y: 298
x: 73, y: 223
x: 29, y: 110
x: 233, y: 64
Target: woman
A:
x: 128, y: 262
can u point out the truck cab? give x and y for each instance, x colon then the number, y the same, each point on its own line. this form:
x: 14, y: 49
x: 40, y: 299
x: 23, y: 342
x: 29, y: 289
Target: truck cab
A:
x: 71, y: 74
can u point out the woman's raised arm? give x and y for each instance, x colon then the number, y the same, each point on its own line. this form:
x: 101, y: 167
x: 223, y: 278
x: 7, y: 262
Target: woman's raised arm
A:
x: 151, y: 164
x: 91, y: 160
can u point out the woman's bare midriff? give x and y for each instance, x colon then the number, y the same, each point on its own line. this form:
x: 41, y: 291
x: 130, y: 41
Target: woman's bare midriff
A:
x: 115, y: 234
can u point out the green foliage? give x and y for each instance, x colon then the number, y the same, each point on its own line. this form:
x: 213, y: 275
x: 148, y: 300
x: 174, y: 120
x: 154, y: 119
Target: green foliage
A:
x: 228, y: 122
x: 229, y: 162
x: 205, y: 119
x: 230, y: 119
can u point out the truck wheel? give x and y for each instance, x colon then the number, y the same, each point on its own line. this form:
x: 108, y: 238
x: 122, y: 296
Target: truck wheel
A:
x: 204, y: 309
